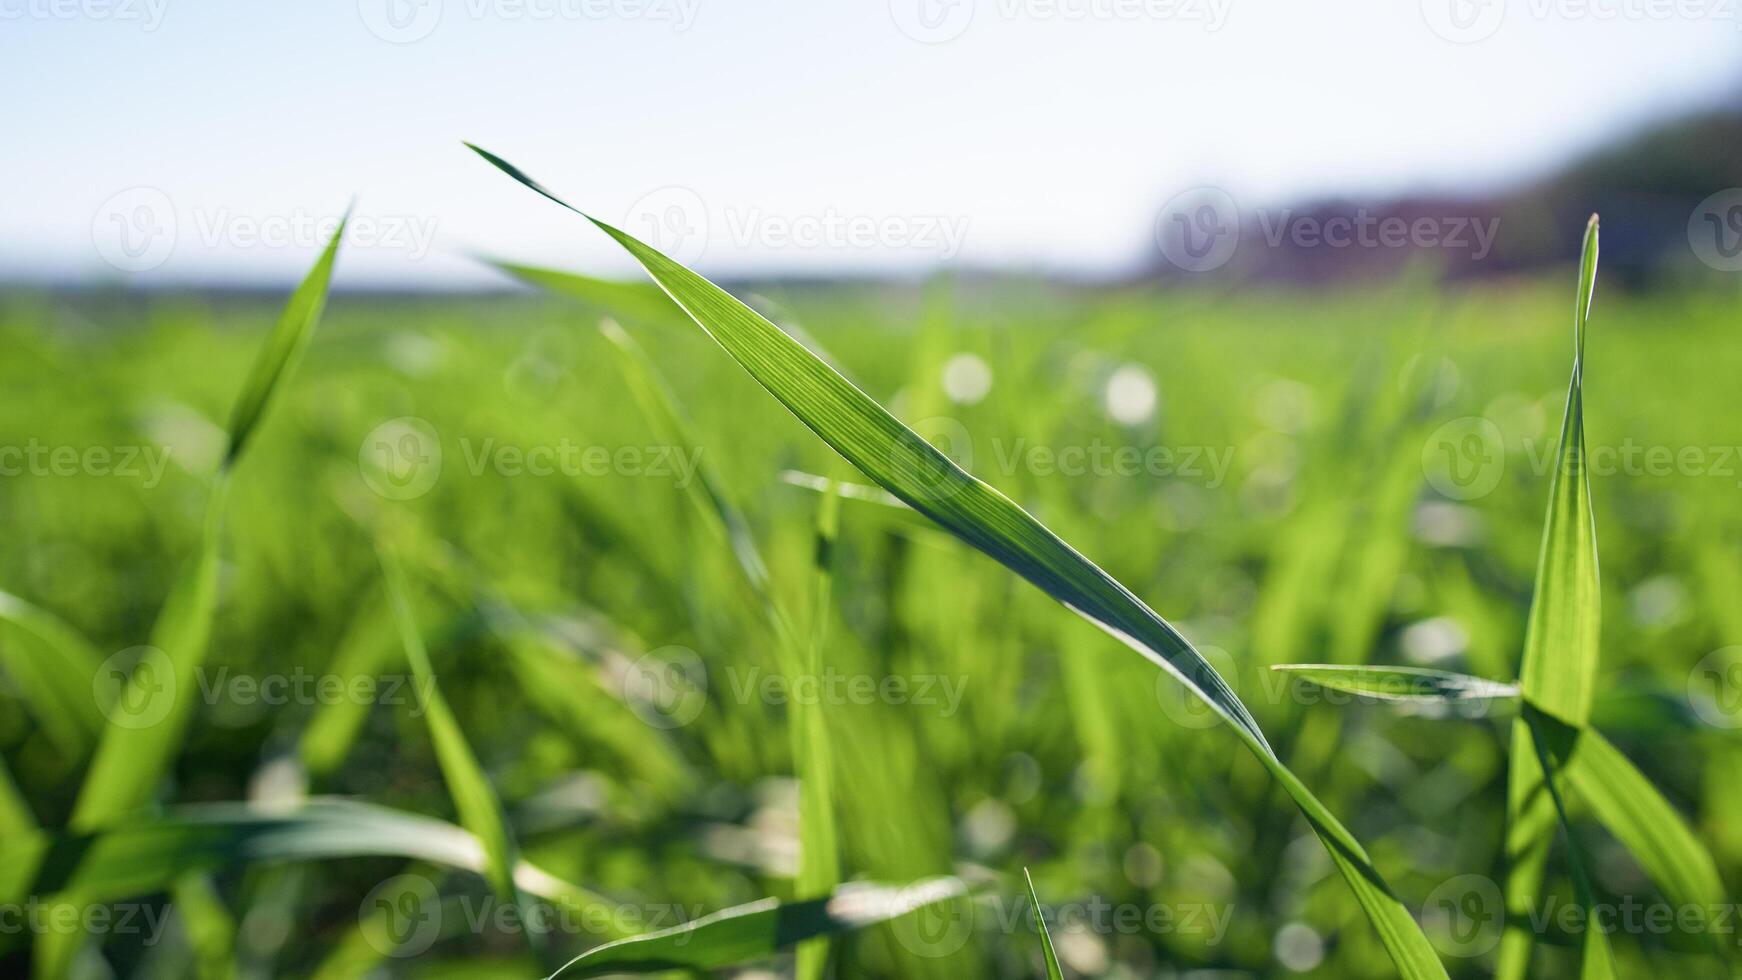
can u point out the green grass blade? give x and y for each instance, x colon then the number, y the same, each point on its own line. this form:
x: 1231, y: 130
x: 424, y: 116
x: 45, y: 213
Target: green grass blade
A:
x: 662, y: 409
x: 819, y: 863
x: 1559, y: 671
x: 210, y: 928
x: 636, y: 301
x: 53, y: 673
x: 359, y: 952
x: 1530, y: 823
x: 1597, y: 960
x: 150, y: 854
x: 152, y: 711
x: 369, y: 643
x: 474, y: 799
x: 1406, y: 684
x: 149, y: 719
x: 1052, y: 959
x: 16, y: 818
x: 902, y: 462
x: 1626, y: 803
x: 847, y: 491
x: 757, y: 930
x: 278, y: 359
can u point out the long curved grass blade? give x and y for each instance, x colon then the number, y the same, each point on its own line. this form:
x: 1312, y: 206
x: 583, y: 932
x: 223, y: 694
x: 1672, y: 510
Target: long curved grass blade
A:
x: 902, y: 462
x: 757, y: 930
x: 53, y: 673
x: 474, y: 799
x: 1052, y: 957
x: 1419, y: 684
x: 152, y: 712
x: 149, y: 854
x: 1626, y: 803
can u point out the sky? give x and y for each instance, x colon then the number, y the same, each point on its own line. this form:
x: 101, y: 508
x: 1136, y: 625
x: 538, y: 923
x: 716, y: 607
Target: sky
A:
x: 175, y: 141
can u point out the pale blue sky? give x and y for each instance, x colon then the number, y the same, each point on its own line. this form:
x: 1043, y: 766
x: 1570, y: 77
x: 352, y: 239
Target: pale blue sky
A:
x: 801, y: 136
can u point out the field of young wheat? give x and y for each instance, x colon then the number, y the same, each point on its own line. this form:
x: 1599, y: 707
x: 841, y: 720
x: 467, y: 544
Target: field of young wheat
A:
x: 871, y: 631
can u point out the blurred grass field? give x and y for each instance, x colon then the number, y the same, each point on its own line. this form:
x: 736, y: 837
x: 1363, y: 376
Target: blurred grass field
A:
x: 1287, y: 475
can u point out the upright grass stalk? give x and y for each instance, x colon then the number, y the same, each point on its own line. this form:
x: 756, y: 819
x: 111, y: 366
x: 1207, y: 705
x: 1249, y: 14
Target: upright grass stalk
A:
x: 130, y: 760
x: 807, y: 725
x: 474, y: 799
x: 819, y: 863
x: 1558, y: 670
x: 1551, y: 740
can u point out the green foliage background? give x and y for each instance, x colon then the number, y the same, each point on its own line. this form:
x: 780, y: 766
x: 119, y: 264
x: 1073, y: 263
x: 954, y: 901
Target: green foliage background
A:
x: 1325, y: 542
